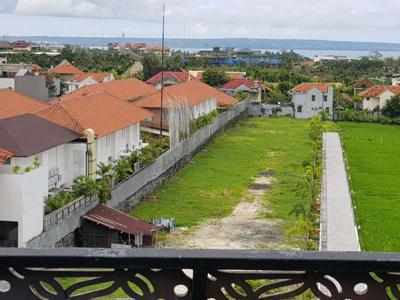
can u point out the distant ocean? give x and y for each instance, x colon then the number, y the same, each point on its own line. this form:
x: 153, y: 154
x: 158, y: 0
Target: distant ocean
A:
x: 307, y: 48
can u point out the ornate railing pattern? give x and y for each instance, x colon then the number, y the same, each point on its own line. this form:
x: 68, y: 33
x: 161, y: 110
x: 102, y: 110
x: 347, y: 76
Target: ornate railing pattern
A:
x: 153, y: 274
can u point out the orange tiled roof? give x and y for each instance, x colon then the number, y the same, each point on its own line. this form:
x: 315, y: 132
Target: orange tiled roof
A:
x: 101, y: 112
x: 305, y: 87
x: 99, y: 77
x: 13, y: 104
x: 4, y: 154
x: 226, y: 100
x: 235, y: 83
x: 126, y: 89
x: 376, y: 90
x: 194, y: 92
x: 66, y: 68
x: 180, y: 76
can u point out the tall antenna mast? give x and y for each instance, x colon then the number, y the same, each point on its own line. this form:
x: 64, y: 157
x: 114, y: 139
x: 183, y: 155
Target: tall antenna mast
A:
x: 162, y: 70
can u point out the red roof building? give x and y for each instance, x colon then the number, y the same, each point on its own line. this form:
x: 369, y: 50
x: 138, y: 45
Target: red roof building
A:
x: 248, y: 83
x: 102, y: 112
x: 66, y: 68
x: 170, y: 78
x: 4, y: 155
x: 304, y: 88
x: 13, y: 104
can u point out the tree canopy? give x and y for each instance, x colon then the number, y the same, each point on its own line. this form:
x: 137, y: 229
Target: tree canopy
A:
x: 215, y: 77
x: 392, y: 107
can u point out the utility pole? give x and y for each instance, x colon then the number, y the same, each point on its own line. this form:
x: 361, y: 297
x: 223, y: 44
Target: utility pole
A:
x: 162, y: 71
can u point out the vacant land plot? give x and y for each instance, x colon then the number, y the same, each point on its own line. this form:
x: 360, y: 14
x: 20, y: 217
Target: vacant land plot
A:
x: 219, y: 177
x: 373, y: 153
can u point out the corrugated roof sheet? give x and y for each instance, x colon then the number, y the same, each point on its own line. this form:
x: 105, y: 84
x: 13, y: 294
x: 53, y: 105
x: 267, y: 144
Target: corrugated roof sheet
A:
x: 116, y: 220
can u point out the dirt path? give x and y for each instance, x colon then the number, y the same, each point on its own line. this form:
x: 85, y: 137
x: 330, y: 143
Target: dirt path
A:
x: 243, y: 229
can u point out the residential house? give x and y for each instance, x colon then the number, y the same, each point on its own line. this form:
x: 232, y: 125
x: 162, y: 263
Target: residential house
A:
x: 177, y: 77
x: 396, y: 80
x: 170, y: 78
x: 14, y: 103
x: 128, y: 90
x: 362, y: 85
x: 36, y: 162
x: 8, y: 73
x: 255, y: 88
x: 200, y: 98
x: 65, y: 71
x: 375, y: 97
x: 84, y: 79
x: 310, y: 99
x: 115, y: 123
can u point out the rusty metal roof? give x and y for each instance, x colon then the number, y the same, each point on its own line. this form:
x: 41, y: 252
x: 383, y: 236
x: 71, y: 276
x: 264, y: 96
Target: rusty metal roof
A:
x: 116, y: 220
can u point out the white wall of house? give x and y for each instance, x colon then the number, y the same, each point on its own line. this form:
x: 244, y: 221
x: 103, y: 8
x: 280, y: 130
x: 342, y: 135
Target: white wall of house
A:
x: 110, y: 147
x: 75, y: 161
x: 306, y: 106
x: 21, y: 200
x: 7, y: 83
x: 204, y: 107
x: 371, y: 103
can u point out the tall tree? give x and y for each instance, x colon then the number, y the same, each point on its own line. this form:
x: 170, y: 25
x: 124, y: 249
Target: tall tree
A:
x: 215, y: 77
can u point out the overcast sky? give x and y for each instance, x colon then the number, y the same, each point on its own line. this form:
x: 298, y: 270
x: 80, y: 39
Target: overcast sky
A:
x: 352, y: 20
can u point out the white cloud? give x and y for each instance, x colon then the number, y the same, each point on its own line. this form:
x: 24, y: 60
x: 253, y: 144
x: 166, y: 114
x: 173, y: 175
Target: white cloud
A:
x: 328, y: 19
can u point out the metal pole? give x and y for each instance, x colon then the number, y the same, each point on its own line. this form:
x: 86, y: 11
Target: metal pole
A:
x: 162, y: 72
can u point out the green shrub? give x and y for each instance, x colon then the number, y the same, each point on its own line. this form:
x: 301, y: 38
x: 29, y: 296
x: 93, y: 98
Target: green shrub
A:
x: 104, y: 190
x: 84, y: 186
x: 205, y: 120
x: 123, y: 170
x: 58, y: 201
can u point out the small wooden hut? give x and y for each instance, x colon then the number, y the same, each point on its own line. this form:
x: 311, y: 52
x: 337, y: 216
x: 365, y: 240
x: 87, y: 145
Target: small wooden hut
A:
x: 103, y: 227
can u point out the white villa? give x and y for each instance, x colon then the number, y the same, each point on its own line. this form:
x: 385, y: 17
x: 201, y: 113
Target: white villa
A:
x: 375, y: 97
x: 310, y: 99
x: 38, y: 162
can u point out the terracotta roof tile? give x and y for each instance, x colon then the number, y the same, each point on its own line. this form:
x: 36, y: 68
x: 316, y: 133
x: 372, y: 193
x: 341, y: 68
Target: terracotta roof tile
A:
x: 13, y: 104
x: 194, y: 92
x: 235, y: 83
x: 126, y: 89
x: 101, y: 112
x: 99, y: 77
x: 226, y: 100
x: 66, y: 68
x: 4, y: 154
x: 305, y: 87
x: 180, y: 76
x: 376, y: 90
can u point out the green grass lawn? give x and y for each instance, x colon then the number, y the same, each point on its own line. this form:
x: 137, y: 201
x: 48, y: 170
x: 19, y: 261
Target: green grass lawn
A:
x: 216, y: 181
x: 373, y: 153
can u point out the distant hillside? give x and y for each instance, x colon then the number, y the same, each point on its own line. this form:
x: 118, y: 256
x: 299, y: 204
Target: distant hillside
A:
x: 277, y: 44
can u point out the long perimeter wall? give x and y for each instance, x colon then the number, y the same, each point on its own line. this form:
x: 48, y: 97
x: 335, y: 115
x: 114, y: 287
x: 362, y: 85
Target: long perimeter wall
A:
x: 60, y: 225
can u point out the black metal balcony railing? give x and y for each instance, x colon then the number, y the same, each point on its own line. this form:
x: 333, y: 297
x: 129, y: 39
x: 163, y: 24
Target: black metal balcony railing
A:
x: 154, y: 274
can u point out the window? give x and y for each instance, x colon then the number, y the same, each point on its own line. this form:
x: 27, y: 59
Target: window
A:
x: 313, y: 98
x: 367, y: 98
x: 108, y: 141
x: 325, y: 98
x: 327, y: 110
x: 299, y: 109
